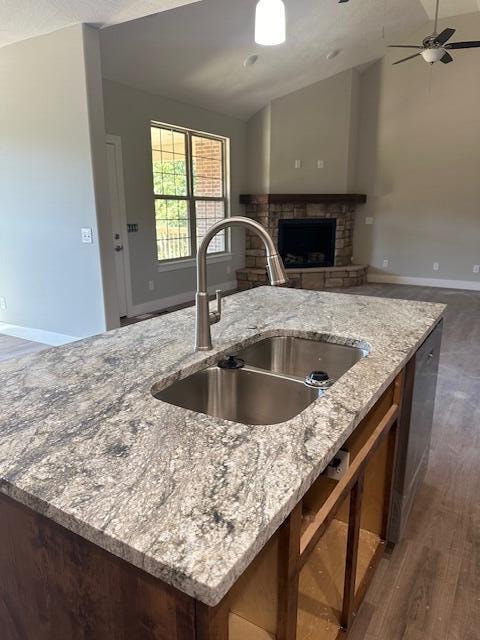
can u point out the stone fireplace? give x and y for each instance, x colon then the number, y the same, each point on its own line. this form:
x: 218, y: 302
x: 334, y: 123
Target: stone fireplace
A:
x: 313, y: 234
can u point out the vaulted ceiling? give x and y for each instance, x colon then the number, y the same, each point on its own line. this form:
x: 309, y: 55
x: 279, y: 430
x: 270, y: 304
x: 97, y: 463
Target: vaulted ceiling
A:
x: 451, y: 7
x: 196, y: 53
x: 194, y: 50
x: 22, y: 19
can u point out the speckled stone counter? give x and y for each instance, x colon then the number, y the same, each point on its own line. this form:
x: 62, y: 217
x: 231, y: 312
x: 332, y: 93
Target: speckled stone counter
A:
x: 188, y: 498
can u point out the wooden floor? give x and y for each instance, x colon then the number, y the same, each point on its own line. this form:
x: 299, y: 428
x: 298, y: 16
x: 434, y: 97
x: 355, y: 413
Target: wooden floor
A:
x: 15, y: 347
x: 429, y: 589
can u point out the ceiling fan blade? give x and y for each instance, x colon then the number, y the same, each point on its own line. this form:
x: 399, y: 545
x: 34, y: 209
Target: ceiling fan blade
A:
x: 415, y: 55
x: 444, y: 36
x: 405, y: 46
x: 446, y: 58
x: 472, y: 44
x: 340, y: 1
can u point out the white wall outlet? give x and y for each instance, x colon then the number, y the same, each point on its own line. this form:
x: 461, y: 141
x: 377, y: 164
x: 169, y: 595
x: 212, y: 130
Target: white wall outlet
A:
x: 369, y: 220
x: 298, y: 164
x: 3, y: 304
x: 385, y: 263
x: 151, y: 285
x: 320, y: 164
x: 87, y: 236
x: 476, y: 268
x: 436, y: 266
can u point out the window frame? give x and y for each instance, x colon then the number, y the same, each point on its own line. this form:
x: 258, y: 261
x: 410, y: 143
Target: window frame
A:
x: 191, y: 199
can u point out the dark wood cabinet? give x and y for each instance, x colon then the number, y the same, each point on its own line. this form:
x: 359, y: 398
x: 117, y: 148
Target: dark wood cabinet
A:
x: 54, y: 585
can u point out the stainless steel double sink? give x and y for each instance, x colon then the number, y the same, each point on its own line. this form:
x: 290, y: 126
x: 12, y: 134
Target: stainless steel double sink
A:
x: 270, y: 388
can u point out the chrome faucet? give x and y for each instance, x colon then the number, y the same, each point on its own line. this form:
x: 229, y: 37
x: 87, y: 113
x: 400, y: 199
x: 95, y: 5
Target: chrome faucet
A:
x: 204, y: 317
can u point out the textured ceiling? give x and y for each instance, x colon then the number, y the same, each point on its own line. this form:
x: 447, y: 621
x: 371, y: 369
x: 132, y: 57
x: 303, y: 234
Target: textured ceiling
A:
x: 450, y: 7
x: 21, y: 19
x: 195, y: 53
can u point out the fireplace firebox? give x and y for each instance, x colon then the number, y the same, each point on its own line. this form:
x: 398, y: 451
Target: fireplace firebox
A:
x: 307, y: 242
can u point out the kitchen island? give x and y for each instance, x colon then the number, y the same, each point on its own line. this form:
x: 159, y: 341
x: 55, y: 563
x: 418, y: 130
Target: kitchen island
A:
x: 127, y: 517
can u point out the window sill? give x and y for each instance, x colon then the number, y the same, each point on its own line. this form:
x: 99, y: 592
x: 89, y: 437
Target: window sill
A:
x: 191, y: 262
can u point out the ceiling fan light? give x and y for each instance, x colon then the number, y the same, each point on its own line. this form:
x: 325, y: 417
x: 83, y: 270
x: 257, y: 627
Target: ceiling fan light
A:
x: 433, y: 55
x: 270, y: 22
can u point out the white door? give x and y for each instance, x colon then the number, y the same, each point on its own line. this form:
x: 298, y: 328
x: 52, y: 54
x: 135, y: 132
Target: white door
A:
x: 118, y: 222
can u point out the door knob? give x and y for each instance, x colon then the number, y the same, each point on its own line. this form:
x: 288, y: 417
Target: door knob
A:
x: 119, y: 247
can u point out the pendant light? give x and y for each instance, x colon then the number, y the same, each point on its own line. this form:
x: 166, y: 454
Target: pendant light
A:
x: 270, y: 22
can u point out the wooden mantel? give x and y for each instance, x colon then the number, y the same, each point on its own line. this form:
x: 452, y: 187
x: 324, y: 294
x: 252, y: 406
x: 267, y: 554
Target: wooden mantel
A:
x: 313, y: 198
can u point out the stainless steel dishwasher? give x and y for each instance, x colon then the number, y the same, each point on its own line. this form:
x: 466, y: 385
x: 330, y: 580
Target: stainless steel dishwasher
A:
x: 415, y: 431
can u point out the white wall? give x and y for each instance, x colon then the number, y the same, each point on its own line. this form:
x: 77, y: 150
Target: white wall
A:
x: 49, y: 113
x: 314, y: 123
x: 259, y: 150
x: 310, y: 125
x: 93, y: 64
x: 128, y: 113
x: 419, y: 163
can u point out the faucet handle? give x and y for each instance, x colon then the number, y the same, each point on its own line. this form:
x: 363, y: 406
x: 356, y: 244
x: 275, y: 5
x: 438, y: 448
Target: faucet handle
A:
x: 215, y: 316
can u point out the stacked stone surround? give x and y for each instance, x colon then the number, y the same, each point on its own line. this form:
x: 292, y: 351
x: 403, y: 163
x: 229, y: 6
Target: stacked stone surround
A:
x: 314, y: 279
x: 268, y: 213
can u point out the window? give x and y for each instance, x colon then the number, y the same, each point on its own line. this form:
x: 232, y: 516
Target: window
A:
x: 190, y: 191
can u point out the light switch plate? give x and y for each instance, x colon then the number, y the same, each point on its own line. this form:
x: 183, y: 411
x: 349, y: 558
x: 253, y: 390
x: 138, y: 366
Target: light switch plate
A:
x: 385, y: 263
x: 369, y: 220
x: 3, y: 304
x: 298, y: 164
x: 87, y: 236
x: 476, y: 268
x: 436, y: 266
x: 320, y: 164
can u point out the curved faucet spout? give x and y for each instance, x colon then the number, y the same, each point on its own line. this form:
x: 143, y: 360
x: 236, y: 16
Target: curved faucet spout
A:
x: 275, y: 268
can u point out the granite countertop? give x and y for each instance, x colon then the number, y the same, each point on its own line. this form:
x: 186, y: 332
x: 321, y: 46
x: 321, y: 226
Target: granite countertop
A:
x: 188, y: 498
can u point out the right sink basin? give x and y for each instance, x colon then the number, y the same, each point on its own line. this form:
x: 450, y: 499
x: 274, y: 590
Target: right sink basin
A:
x: 298, y: 357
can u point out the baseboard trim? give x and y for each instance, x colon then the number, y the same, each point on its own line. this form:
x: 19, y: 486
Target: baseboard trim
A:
x: 36, y: 335
x: 172, y: 301
x: 466, y: 285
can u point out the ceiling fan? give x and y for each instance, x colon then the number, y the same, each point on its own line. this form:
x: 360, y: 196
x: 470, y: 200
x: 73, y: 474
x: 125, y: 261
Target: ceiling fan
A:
x: 435, y: 48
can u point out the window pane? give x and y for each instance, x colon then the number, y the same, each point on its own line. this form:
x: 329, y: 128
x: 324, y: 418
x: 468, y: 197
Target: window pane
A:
x: 173, y: 229
x: 155, y: 131
x: 207, y: 167
x: 206, y: 147
x: 208, y: 213
x: 205, y: 187
x: 169, y: 162
x: 179, y: 143
x: 166, y: 139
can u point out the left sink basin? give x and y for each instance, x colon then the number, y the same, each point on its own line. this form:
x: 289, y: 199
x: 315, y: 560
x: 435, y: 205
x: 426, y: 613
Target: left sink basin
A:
x: 241, y: 395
